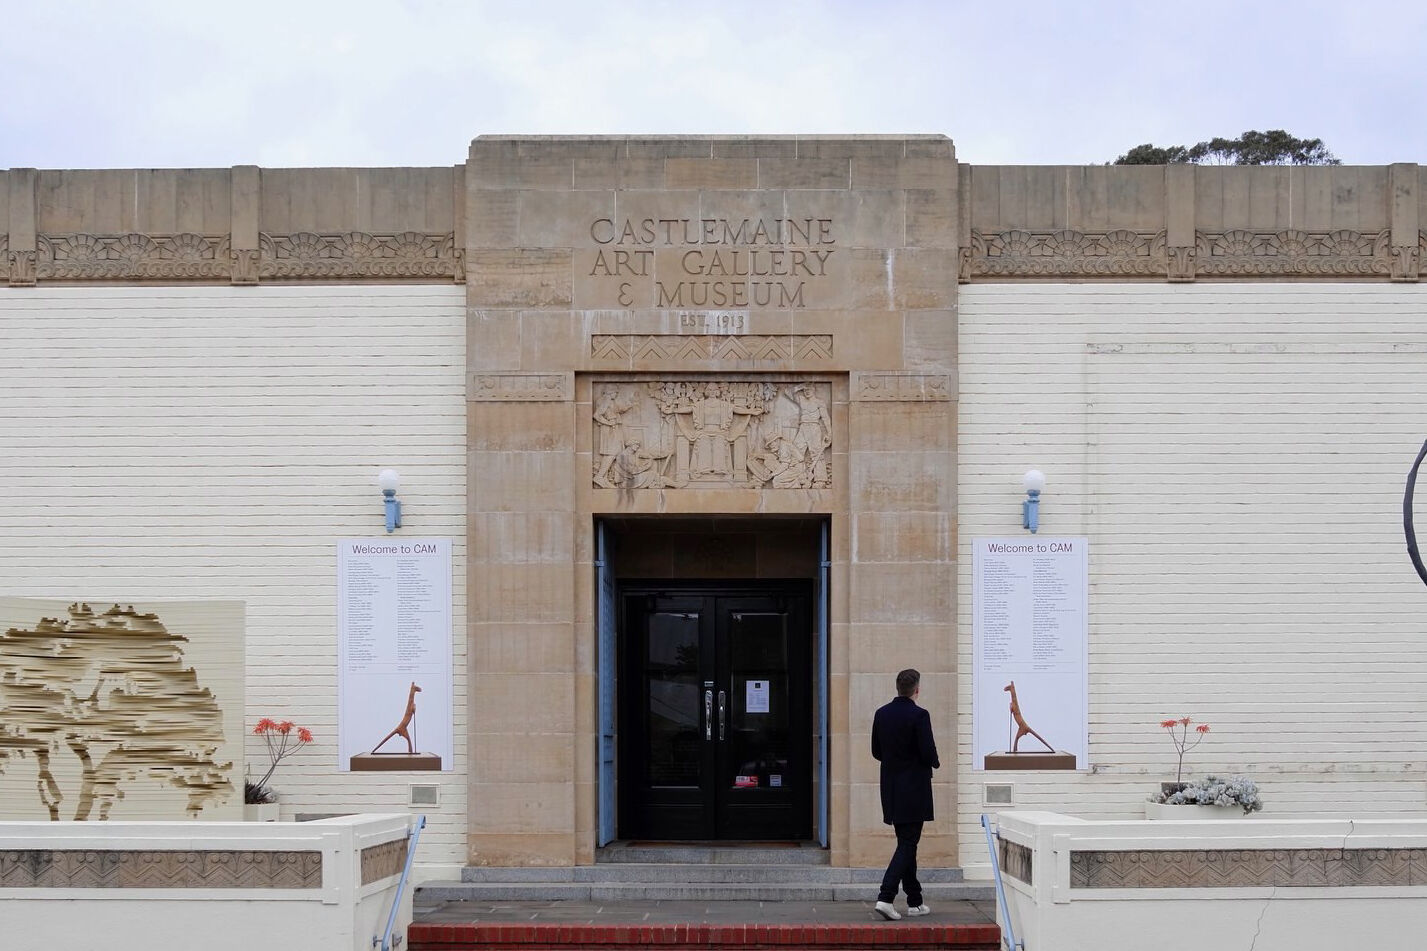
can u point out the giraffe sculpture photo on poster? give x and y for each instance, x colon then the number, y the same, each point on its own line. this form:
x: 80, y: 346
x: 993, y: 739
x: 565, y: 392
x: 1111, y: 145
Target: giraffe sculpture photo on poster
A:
x: 1029, y: 625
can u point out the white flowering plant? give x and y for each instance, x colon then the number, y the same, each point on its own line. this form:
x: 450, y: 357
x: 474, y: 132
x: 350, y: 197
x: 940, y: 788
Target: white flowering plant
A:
x: 1215, y: 791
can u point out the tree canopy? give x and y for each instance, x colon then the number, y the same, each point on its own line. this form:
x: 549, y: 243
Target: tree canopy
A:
x: 1274, y: 147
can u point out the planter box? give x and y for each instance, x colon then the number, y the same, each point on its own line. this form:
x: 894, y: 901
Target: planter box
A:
x: 261, y: 812
x: 1159, y: 810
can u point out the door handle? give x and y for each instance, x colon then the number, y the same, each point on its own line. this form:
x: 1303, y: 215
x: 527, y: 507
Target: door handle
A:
x: 722, y: 708
x: 708, y: 714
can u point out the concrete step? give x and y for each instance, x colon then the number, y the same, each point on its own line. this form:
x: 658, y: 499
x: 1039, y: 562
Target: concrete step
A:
x: 437, y: 891
x: 712, y: 855
x: 659, y: 873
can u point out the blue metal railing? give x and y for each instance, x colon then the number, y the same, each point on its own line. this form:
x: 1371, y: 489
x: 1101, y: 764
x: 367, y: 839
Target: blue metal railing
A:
x: 1009, y: 938
x: 412, y: 838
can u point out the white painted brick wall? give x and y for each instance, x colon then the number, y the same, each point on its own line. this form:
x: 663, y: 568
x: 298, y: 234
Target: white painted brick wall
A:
x: 1236, y: 454
x: 215, y: 443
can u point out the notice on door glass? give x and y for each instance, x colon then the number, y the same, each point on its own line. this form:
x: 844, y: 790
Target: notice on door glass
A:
x: 756, y: 700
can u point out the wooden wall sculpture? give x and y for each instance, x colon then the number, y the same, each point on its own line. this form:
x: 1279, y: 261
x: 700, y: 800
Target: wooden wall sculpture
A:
x: 111, y: 710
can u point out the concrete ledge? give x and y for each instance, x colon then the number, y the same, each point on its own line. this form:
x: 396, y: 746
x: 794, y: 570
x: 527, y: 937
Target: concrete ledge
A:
x: 1294, y: 883
x: 228, y: 884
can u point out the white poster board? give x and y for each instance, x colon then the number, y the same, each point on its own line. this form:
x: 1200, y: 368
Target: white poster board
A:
x: 393, y: 631
x: 1030, y: 612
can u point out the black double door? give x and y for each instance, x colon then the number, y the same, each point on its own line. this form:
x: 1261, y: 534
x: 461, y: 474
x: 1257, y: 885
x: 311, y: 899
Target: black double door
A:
x: 715, y: 737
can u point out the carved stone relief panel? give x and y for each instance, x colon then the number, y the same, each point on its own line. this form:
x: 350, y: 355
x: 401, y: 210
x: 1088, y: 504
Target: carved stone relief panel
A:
x: 697, y: 434
x: 357, y: 255
x: 110, y: 257
x: 1067, y: 254
x: 1309, y: 254
x: 1040, y: 254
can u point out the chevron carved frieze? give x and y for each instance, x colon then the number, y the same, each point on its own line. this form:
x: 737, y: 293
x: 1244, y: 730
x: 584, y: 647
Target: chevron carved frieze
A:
x: 749, y: 349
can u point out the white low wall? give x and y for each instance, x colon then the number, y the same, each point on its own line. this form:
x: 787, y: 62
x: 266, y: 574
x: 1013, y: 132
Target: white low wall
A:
x: 1269, y: 884
x: 321, y: 886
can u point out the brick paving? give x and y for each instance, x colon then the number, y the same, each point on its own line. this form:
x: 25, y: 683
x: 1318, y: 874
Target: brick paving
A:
x: 671, y: 924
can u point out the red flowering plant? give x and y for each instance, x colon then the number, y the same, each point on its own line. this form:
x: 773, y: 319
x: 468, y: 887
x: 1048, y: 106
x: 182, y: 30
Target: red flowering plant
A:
x: 1179, y: 736
x: 283, y: 738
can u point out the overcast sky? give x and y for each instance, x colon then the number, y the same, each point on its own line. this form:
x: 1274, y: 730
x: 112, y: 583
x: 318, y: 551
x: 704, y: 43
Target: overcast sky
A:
x: 123, y: 83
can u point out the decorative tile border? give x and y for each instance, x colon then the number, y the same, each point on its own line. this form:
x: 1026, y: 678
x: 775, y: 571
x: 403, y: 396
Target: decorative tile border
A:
x: 1246, y: 868
x: 743, y: 348
x: 231, y: 868
x: 1016, y: 860
x: 383, y: 861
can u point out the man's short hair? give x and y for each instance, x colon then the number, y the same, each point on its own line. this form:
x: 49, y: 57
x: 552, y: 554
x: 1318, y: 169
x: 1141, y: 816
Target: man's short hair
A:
x: 907, y: 682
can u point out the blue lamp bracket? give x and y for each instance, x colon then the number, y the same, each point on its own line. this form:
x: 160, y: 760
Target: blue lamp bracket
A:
x: 1034, y: 482
x: 393, y: 510
x: 1030, y: 511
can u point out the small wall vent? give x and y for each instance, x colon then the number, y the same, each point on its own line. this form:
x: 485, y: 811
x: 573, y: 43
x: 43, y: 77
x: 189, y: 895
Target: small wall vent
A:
x: 998, y: 794
x: 424, y: 794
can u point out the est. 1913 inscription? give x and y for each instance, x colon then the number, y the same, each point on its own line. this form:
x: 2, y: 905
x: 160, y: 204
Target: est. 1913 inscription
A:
x: 710, y: 263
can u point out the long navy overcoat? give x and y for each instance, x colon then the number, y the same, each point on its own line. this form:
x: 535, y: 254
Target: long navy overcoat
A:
x: 902, y: 741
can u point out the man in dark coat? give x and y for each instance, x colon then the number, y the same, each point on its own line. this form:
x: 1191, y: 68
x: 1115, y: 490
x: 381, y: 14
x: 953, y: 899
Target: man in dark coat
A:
x: 902, y: 742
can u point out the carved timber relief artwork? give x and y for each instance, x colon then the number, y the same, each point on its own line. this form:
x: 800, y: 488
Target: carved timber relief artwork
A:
x: 712, y: 434
x: 103, y: 713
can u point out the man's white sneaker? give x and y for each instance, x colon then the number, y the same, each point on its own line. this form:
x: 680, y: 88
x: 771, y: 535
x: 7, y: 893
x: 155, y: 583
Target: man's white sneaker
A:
x: 918, y: 911
x: 885, y: 909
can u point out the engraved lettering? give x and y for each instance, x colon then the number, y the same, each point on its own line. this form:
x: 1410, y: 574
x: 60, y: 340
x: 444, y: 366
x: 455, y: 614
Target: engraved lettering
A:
x: 731, y: 236
x: 787, y: 255
x: 667, y: 298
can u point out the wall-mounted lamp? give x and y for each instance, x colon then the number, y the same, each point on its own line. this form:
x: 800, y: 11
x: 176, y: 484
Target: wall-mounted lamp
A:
x: 1034, y: 481
x: 390, y: 481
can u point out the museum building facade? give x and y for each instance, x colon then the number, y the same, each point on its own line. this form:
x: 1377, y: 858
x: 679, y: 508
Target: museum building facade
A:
x: 711, y: 424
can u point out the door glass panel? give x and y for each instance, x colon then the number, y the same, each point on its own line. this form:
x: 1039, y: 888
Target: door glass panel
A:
x: 758, y: 705
x: 671, y: 675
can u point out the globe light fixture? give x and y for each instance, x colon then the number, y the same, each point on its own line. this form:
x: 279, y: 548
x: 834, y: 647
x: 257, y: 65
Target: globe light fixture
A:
x: 389, y: 481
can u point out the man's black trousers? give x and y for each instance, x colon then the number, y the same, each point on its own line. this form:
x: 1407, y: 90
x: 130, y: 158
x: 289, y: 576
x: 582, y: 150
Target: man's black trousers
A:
x: 903, y: 867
